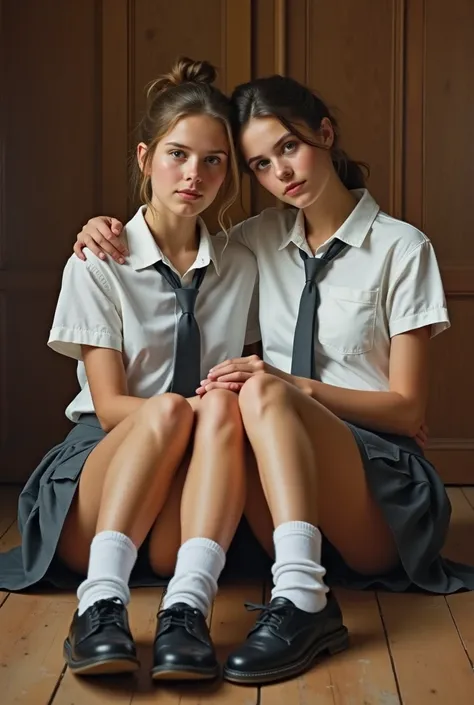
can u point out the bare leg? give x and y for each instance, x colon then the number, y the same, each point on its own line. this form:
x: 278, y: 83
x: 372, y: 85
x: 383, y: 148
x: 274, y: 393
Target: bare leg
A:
x: 312, y: 476
x: 211, y: 493
x: 123, y: 486
x: 211, y: 507
x: 311, y: 471
x: 127, y: 477
x: 256, y: 508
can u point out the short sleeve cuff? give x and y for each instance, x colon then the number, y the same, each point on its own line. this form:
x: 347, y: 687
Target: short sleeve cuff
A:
x: 68, y: 341
x: 437, y: 318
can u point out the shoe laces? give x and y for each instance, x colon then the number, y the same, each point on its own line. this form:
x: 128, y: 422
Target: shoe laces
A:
x: 107, y: 613
x: 177, y: 616
x: 270, y: 615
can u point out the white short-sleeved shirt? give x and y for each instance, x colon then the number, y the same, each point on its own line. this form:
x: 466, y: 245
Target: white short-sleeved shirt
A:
x: 386, y: 283
x: 132, y: 309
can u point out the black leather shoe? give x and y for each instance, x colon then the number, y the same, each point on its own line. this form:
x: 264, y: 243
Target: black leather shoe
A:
x: 100, y: 642
x: 183, y: 649
x: 285, y: 642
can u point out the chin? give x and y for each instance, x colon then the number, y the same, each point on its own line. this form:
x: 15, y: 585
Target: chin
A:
x: 303, y: 201
x: 187, y: 210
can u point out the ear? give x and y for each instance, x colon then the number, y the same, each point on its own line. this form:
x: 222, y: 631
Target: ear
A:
x: 142, y: 150
x: 326, y: 132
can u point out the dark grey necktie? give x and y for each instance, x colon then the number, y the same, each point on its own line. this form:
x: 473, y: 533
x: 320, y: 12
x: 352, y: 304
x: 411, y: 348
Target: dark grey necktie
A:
x: 187, y: 359
x: 306, y: 332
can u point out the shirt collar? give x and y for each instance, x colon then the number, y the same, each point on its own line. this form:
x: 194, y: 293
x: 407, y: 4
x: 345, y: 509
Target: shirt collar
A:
x: 144, y: 251
x: 353, y: 231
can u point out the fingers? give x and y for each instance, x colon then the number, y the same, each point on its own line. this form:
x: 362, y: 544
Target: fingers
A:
x: 116, y: 226
x: 100, y: 236
x: 231, y: 386
x: 421, y: 438
x: 239, y: 376
x: 227, y: 363
x: 78, y: 251
x: 232, y: 369
x: 251, y: 359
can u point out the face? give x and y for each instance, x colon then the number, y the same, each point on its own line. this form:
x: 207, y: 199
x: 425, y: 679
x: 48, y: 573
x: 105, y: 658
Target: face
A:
x: 189, y: 165
x: 293, y: 171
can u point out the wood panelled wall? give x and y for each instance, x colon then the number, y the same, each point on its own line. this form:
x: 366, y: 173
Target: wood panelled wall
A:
x: 397, y: 73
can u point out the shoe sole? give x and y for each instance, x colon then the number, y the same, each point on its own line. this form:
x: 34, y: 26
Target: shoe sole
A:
x: 181, y: 673
x: 101, y: 666
x: 332, y: 644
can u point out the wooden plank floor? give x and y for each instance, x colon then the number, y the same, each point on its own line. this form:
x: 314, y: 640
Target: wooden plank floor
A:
x: 405, y: 649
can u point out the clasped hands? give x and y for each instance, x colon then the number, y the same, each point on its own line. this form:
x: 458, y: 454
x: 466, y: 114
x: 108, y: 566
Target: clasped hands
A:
x: 232, y: 374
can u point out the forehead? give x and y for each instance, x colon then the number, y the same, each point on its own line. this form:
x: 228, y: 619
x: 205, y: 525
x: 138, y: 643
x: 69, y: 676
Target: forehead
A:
x: 260, y: 134
x: 199, y: 131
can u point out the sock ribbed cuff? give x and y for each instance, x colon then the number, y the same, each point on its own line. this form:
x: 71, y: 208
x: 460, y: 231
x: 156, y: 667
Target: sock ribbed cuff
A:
x: 296, y: 527
x: 116, y: 537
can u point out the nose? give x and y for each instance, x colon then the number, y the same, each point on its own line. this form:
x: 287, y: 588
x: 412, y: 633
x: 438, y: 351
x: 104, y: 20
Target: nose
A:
x: 283, y: 170
x: 192, y: 173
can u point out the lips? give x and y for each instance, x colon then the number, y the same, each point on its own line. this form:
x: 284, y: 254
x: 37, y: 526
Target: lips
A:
x: 190, y: 192
x: 292, y: 188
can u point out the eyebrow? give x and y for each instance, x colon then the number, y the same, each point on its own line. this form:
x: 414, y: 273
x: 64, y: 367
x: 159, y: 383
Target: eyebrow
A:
x: 275, y: 147
x: 184, y: 146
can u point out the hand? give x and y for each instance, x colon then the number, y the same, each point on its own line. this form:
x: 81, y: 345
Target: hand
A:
x: 232, y: 374
x: 421, y: 437
x: 100, y: 235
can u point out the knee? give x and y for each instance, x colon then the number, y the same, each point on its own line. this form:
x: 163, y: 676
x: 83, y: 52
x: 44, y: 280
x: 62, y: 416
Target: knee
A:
x: 167, y: 412
x: 259, y: 392
x: 220, y: 410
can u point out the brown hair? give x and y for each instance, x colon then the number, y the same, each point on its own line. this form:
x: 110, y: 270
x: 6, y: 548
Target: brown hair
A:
x: 290, y: 102
x: 186, y: 90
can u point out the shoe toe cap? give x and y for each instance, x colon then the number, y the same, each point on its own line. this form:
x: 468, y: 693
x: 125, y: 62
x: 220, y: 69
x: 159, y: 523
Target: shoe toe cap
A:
x: 248, y: 659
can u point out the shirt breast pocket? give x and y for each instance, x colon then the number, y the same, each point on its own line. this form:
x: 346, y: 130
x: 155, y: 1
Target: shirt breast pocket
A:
x: 347, y: 319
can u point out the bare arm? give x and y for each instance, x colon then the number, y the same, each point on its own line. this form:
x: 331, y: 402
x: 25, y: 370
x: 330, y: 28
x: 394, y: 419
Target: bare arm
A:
x: 108, y: 384
x: 400, y: 410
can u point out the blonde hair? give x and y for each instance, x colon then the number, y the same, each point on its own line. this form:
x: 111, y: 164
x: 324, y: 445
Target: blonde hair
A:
x: 186, y: 90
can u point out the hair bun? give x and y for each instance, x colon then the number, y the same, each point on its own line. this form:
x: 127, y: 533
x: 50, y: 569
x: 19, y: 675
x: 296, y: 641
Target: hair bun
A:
x: 185, y: 70
x: 188, y: 71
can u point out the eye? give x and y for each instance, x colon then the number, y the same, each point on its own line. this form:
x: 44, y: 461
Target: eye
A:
x: 289, y: 147
x: 214, y: 161
x: 262, y: 164
x: 177, y: 154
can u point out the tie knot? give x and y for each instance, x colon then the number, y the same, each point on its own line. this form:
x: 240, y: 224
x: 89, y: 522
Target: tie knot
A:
x: 312, y: 267
x: 187, y: 298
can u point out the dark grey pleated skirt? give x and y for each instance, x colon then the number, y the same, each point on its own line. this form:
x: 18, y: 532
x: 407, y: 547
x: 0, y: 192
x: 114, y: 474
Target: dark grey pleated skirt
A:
x: 406, y: 486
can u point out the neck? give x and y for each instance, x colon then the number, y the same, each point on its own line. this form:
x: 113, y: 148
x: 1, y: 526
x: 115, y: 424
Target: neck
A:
x: 175, y: 236
x: 326, y: 215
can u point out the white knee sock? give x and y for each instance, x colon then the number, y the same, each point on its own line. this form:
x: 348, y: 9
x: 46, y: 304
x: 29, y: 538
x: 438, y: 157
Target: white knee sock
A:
x: 199, y: 565
x: 111, y: 560
x: 297, y: 571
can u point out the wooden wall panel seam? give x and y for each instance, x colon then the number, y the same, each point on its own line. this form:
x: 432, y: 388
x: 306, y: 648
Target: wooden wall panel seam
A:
x: 3, y: 371
x: 98, y: 157
x: 396, y: 147
x: 423, y: 117
x: 223, y: 66
x: 280, y: 37
x: 413, y: 190
x: 238, y: 62
x: 307, y: 46
x: 131, y: 93
x: 115, y: 107
x: 2, y: 143
x: 455, y: 444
